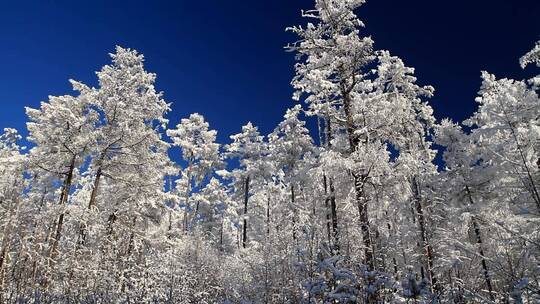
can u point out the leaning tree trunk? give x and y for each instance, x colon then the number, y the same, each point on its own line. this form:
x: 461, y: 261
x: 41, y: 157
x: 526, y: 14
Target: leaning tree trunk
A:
x: 59, y: 224
x: 246, y: 197
x: 63, y: 201
x: 95, y: 189
x: 483, y: 261
x: 428, y: 250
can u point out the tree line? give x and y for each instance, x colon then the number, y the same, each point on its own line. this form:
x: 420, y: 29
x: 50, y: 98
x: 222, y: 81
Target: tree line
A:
x: 355, y: 211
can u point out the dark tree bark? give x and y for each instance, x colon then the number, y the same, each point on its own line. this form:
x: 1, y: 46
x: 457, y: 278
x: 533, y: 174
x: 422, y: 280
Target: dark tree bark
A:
x: 293, y: 213
x: 331, y: 196
x: 426, y: 246
x: 110, y: 222
x: 327, y: 209
x: 246, y: 197
x: 268, y: 215
x: 364, y: 221
x: 359, y: 177
x: 333, y: 213
x: 483, y: 261
x: 63, y: 201
x: 91, y: 203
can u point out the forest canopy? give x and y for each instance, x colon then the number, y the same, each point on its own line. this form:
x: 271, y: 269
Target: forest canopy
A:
x: 355, y: 210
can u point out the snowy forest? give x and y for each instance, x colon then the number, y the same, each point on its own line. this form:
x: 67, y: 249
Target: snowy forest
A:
x: 379, y: 202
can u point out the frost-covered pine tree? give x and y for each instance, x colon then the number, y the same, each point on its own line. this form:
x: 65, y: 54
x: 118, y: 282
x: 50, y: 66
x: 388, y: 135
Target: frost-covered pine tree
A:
x: 289, y: 143
x: 249, y: 148
x: 201, y: 154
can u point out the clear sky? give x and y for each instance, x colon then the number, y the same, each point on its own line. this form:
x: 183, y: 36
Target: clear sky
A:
x: 225, y: 59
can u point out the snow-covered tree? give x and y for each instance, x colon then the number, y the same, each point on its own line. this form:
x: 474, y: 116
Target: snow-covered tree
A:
x: 249, y: 148
x: 201, y: 154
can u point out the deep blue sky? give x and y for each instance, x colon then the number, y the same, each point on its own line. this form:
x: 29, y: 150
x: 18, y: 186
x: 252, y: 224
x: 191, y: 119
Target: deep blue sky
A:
x: 225, y: 59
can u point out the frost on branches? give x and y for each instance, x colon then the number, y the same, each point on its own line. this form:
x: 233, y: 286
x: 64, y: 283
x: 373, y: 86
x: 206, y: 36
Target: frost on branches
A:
x: 355, y: 210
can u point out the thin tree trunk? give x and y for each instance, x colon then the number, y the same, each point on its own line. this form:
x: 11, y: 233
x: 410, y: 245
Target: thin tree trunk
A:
x: 246, y: 197
x: 327, y: 209
x: 95, y: 188
x: 483, y: 261
x: 221, y: 234
x: 293, y: 213
x: 188, y: 193
x: 333, y: 209
x: 63, y: 201
x: 170, y: 209
x: 428, y: 250
x: 91, y: 203
x: 326, y: 143
x: 332, y: 196
x: 364, y: 221
x: 268, y: 216
x: 128, y: 252
x: 392, y: 235
x: 359, y: 180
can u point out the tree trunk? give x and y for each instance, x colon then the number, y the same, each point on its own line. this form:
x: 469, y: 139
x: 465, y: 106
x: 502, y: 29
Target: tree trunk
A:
x: 188, y: 193
x: 332, y: 196
x: 221, y: 235
x: 91, y: 203
x: 63, y: 201
x: 170, y: 209
x: 359, y: 180
x: 246, y: 197
x: 95, y: 188
x: 327, y: 209
x: 331, y: 215
x: 293, y: 213
x: 428, y: 251
x: 128, y: 252
x: 364, y: 221
x: 483, y: 261
x: 268, y: 216
x: 333, y: 209
x: 110, y: 222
